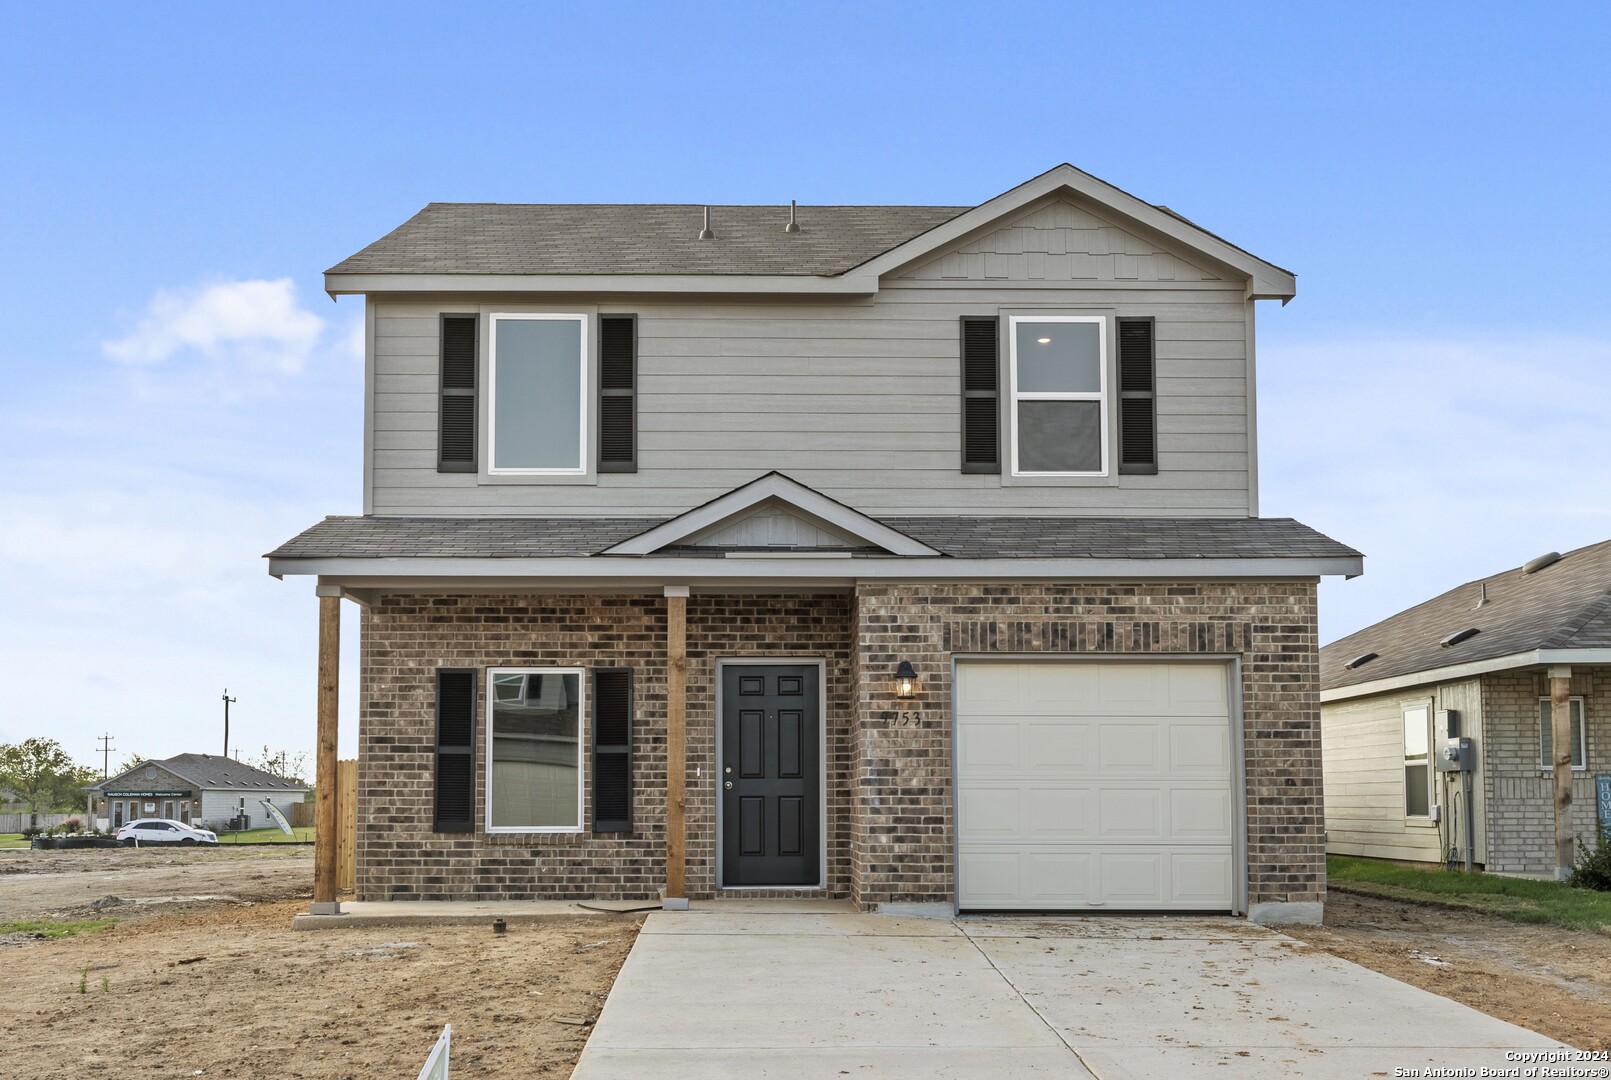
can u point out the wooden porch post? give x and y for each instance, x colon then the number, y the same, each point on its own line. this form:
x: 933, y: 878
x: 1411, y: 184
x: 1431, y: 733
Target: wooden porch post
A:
x: 676, y: 898
x: 325, y: 817
x: 1560, y: 712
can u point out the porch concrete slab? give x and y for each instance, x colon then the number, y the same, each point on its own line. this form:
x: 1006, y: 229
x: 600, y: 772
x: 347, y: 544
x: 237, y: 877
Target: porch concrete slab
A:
x: 851, y: 923
x: 769, y: 906
x: 365, y: 913
x: 790, y: 995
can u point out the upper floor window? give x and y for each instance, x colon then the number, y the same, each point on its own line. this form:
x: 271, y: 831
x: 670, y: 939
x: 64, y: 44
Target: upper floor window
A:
x: 538, y: 409
x: 1057, y: 375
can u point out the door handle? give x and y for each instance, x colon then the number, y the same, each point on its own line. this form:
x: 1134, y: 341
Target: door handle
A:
x: 728, y: 785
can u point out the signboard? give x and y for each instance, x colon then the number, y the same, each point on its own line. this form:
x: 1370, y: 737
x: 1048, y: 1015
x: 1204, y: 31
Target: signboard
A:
x: 1602, y: 791
x: 175, y: 794
x: 277, y: 817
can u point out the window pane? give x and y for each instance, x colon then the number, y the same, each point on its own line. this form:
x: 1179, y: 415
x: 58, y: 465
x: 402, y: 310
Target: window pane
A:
x: 1059, y: 436
x: 1059, y: 357
x: 1546, y: 734
x: 537, y: 394
x: 536, y: 781
x: 1417, y: 799
x: 1415, y: 734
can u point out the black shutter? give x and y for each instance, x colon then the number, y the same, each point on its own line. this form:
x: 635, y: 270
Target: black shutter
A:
x: 456, y: 415
x: 1138, y: 421
x: 981, y: 396
x: 455, y: 751
x: 612, y: 750
x: 618, y: 393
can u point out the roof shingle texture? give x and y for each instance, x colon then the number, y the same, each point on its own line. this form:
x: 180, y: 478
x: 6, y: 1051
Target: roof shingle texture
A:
x: 957, y: 536
x: 1566, y: 605
x: 639, y: 238
x: 213, y: 771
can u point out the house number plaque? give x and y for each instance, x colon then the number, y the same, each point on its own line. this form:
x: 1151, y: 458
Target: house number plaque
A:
x: 903, y: 719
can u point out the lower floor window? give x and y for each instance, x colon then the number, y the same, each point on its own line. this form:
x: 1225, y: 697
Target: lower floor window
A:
x: 534, y: 767
x: 1417, y: 763
x: 1546, y: 734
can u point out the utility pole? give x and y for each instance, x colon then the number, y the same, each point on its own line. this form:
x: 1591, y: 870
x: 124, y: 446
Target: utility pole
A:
x: 106, y: 754
x: 227, y: 701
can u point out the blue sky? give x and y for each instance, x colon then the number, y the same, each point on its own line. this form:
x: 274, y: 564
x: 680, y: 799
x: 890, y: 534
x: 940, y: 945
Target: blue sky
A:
x: 175, y: 177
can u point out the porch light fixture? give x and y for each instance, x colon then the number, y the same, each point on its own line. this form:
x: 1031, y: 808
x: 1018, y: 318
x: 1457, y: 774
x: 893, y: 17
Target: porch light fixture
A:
x: 905, y: 681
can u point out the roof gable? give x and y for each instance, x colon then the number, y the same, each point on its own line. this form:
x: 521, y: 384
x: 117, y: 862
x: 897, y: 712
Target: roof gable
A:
x: 784, y: 508
x: 1060, y: 240
x: 210, y: 771
x: 1265, y: 280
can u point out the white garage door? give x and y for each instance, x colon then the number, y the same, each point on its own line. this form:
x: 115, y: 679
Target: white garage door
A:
x: 1094, y: 786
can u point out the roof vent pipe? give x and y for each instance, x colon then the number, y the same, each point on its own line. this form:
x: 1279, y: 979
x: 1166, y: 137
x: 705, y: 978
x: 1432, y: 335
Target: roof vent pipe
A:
x: 1482, y: 594
x: 793, y: 226
x: 705, y: 233
x: 1535, y: 565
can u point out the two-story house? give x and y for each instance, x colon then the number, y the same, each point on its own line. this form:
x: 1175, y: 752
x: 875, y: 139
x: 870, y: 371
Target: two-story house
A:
x: 908, y: 554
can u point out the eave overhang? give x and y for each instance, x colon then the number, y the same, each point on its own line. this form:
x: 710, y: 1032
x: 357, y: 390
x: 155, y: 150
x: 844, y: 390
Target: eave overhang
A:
x: 1432, y: 676
x: 852, y: 284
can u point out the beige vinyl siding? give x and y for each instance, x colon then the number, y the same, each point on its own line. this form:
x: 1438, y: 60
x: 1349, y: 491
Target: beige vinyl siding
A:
x: 1363, y: 764
x: 858, y: 398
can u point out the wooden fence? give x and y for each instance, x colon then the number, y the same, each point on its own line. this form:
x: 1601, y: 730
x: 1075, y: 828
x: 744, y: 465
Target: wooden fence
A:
x: 346, y: 825
x: 10, y: 823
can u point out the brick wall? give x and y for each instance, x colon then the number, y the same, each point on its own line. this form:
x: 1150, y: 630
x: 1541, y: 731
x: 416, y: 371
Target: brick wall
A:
x: 903, y: 809
x: 406, y: 638
x: 1519, y: 792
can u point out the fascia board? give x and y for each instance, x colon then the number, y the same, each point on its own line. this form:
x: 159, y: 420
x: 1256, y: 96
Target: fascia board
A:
x: 788, y: 491
x: 361, y: 573
x: 1266, y: 281
x: 851, y: 284
x: 1530, y: 658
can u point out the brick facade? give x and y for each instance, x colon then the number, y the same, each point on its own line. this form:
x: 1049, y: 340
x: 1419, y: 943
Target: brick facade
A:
x: 1518, y: 790
x: 889, y: 782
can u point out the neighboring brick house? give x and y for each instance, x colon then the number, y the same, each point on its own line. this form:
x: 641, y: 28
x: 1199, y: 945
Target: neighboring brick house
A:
x: 904, y: 554
x: 1394, y: 694
x: 201, y: 789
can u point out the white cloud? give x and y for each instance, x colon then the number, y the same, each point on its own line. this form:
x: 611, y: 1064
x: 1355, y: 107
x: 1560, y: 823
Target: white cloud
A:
x: 1442, y: 460
x: 259, y: 325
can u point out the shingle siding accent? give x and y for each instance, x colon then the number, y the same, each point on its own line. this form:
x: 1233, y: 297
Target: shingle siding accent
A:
x: 888, y: 793
x: 1520, y: 795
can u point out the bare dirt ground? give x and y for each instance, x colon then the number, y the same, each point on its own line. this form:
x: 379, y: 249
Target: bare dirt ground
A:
x: 225, y: 988
x: 1552, y: 980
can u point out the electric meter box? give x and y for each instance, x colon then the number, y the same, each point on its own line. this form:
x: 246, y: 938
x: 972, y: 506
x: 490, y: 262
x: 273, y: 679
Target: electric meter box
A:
x: 1457, y: 755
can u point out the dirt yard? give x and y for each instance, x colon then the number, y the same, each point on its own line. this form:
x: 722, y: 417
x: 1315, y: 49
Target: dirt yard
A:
x: 223, y: 987
x: 1551, y: 980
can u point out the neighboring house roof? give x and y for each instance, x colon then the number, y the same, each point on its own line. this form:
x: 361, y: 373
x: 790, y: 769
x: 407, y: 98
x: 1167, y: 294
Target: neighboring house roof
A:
x: 639, y: 238
x: 655, y: 247
x: 1558, y: 608
x: 211, y: 772
x: 970, y: 537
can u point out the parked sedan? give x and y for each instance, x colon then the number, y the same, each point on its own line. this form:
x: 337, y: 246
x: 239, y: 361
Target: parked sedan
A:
x: 163, y: 831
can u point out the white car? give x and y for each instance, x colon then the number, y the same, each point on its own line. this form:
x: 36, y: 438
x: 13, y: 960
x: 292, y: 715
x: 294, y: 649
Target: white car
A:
x: 163, y: 831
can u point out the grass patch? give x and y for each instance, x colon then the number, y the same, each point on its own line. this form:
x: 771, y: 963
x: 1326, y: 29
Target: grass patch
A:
x: 1520, y: 900
x: 267, y: 836
x: 12, y: 840
x: 56, y: 928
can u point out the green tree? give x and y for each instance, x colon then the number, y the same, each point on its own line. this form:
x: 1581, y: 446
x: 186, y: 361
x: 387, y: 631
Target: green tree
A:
x: 43, y: 776
x: 130, y: 762
x: 281, y: 763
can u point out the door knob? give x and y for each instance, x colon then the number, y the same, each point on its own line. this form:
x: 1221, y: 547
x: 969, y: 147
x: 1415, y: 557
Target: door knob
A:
x: 728, y: 785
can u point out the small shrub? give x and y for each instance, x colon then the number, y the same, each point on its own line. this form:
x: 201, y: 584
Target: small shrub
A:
x: 30, y: 831
x: 1593, y: 869
x: 72, y: 825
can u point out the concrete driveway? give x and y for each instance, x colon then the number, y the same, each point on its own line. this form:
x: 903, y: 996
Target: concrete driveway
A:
x: 808, y: 991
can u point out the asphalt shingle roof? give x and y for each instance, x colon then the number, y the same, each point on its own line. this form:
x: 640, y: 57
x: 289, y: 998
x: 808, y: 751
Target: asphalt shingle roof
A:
x: 639, y: 238
x: 1566, y: 605
x: 213, y: 771
x: 959, y: 536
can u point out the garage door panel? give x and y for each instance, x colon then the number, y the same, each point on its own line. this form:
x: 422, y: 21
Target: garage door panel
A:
x: 1094, y: 786
x: 1201, y: 815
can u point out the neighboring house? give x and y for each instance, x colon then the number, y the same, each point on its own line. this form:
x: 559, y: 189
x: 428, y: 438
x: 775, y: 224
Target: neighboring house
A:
x: 1394, y: 693
x: 202, y: 789
x: 909, y: 554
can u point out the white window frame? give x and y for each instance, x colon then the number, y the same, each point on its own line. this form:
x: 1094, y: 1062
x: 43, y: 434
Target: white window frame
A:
x: 1582, y: 732
x: 1100, y: 395
x: 581, y: 755
x: 492, y: 394
x: 1428, y: 763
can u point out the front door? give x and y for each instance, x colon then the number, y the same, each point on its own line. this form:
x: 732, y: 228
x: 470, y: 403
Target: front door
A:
x: 771, y: 775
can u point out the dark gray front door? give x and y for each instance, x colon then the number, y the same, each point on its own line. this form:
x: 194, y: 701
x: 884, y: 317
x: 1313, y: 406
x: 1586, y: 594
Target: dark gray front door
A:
x: 771, y: 775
